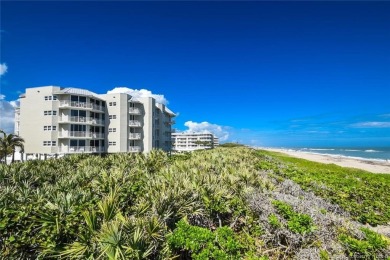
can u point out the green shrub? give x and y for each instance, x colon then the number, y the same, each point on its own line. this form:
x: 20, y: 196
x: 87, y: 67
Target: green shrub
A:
x: 296, y: 222
x: 367, y: 247
x: 201, y: 243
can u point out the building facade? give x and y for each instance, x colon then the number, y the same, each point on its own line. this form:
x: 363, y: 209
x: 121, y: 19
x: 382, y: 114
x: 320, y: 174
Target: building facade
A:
x: 55, y: 120
x: 186, y: 142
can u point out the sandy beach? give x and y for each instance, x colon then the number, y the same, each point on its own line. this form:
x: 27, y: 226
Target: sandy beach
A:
x: 367, y: 165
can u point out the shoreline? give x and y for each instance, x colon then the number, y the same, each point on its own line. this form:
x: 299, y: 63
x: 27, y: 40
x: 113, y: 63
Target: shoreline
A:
x: 370, y: 165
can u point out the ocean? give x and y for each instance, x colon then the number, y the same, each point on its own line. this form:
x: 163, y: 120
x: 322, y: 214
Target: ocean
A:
x: 376, y: 153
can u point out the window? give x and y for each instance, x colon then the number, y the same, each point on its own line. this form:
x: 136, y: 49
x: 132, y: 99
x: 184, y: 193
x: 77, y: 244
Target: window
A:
x: 112, y: 116
x: 49, y: 113
x: 51, y: 98
x: 111, y: 130
x: 112, y: 104
x: 49, y: 143
x: 112, y: 143
x: 49, y: 128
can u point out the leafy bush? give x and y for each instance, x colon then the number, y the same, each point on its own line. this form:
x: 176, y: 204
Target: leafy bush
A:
x: 368, y: 247
x: 297, y: 222
x: 201, y: 243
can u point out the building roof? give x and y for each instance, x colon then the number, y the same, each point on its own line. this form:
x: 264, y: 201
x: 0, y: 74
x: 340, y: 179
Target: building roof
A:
x: 77, y: 91
x: 169, y: 111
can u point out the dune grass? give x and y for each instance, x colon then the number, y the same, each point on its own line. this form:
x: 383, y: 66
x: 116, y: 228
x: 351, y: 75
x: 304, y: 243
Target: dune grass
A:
x: 225, y: 203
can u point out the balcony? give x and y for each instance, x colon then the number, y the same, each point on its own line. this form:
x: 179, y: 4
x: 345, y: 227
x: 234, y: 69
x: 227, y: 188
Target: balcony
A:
x: 134, y: 123
x: 81, y: 149
x: 97, y: 107
x: 76, y: 104
x: 134, y: 136
x: 68, y: 103
x: 95, y: 121
x: 134, y: 111
x: 79, y: 119
x: 135, y: 149
x: 67, y: 134
x: 172, y: 122
x: 97, y: 135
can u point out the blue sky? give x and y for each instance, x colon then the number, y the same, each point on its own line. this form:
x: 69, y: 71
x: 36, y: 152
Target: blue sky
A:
x: 260, y: 73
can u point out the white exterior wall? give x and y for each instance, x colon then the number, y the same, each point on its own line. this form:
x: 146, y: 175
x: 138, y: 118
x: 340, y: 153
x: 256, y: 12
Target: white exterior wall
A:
x: 32, y: 119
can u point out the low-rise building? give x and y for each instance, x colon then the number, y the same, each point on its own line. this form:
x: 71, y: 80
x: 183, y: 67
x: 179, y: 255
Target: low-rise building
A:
x: 56, y: 120
x: 186, y: 142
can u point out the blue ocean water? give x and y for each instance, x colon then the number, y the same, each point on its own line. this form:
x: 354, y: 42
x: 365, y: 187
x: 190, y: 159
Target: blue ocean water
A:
x: 377, y: 153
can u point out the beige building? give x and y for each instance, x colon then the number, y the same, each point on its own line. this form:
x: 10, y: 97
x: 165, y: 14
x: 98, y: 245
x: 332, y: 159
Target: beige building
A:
x: 55, y: 120
x: 186, y: 142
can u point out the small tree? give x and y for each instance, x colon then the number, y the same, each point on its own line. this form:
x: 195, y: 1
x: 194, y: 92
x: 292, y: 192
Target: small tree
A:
x: 8, y: 144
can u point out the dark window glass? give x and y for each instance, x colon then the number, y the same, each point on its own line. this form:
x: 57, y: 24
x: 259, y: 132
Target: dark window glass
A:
x: 74, y: 98
x: 74, y: 112
x: 81, y: 142
x: 73, y: 142
x: 82, y: 113
x: 83, y: 99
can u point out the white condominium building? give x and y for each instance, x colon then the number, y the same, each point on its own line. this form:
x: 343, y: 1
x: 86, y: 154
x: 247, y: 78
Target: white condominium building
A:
x: 55, y: 120
x: 185, y: 142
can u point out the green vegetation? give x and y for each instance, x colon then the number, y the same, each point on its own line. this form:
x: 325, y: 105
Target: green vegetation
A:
x: 298, y: 223
x: 201, y: 243
x: 364, y: 195
x: 231, y: 145
x: 214, y: 204
x: 364, y: 248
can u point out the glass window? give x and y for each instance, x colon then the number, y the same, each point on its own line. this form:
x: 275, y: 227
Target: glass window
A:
x: 74, y: 112
x: 83, y: 99
x: 74, y: 98
x: 81, y: 142
x: 82, y: 113
x: 73, y: 142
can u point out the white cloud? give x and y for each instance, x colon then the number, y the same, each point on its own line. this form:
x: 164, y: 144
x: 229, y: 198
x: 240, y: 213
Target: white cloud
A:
x: 140, y: 93
x: 3, y: 69
x: 372, y: 125
x: 7, y: 114
x: 205, y: 127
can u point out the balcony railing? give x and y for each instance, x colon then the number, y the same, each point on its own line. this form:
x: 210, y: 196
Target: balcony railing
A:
x: 172, y: 122
x: 97, y: 135
x: 67, y: 103
x: 134, y: 149
x: 80, y: 119
x: 134, y: 136
x: 97, y: 121
x: 134, y: 123
x: 67, y: 134
x: 134, y: 111
x: 73, y: 134
x: 81, y: 149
